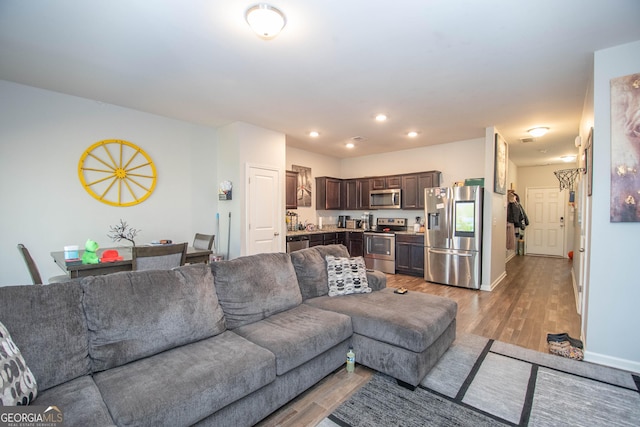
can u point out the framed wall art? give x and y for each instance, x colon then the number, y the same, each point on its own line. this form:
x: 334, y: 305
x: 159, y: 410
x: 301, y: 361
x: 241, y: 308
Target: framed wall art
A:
x: 625, y: 149
x: 500, y: 165
x: 304, y: 188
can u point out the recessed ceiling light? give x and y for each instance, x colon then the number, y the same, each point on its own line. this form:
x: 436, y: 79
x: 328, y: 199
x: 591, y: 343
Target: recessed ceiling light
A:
x: 381, y: 117
x: 538, y: 131
x: 314, y: 134
x: 350, y: 145
x: 568, y: 158
x: 412, y: 134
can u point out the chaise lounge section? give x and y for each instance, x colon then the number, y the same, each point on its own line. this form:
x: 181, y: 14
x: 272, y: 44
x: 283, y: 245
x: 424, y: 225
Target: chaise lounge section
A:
x: 225, y: 344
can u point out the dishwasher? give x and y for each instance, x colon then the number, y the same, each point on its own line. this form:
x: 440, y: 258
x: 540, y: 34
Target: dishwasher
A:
x: 295, y: 243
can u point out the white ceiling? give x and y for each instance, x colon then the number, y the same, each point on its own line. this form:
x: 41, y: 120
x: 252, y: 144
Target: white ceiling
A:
x: 446, y: 68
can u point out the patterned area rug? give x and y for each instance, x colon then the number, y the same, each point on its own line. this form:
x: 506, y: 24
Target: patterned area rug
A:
x: 481, y: 382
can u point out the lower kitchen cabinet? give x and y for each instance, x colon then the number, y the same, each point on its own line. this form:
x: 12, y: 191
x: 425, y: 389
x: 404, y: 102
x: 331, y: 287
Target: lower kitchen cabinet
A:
x: 354, y: 243
x: 333, y: 238
x: 410, y: 254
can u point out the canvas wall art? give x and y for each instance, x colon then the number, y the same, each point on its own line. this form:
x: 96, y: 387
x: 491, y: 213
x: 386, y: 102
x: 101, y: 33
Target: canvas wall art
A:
x: 500, y: 166
x: 304, y: 188
x: 625, y: 149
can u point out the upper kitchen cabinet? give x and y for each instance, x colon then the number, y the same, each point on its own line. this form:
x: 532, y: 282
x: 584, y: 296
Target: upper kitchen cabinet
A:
x: 356, y: 192
x: 291, y: 188
x: 413, y: 186
x: 363, y: 186
x: 329, y: 193
x: 386, y: 182
x: 350, y: 187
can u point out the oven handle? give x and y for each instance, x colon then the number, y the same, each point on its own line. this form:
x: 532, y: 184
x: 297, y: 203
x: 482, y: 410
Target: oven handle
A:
x: 435, y: 251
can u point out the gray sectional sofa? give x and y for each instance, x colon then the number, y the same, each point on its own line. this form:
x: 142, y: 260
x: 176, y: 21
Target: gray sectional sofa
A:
x: 224, y: 344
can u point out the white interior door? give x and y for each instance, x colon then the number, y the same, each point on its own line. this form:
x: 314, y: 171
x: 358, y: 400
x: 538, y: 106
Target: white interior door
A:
x: 264, y: 209
x: 545, y: 233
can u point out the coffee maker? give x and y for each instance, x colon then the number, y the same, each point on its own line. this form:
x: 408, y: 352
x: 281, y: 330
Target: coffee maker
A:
x: 342, y: 221
x: 367, y: 221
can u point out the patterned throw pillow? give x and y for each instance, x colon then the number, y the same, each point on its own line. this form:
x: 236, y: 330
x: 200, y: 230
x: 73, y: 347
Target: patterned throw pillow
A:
x: 17, y: 383
x: 347, y: 276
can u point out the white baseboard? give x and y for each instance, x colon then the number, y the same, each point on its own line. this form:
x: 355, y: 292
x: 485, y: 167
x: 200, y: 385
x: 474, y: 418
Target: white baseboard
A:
x: 493, y: 285
x: 614, y: 362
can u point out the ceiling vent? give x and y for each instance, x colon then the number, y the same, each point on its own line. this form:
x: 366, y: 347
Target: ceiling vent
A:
x: 525, y: 140
x: 358, y: 138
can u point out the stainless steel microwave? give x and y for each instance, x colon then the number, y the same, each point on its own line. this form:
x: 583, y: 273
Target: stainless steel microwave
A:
x: 384, y: 199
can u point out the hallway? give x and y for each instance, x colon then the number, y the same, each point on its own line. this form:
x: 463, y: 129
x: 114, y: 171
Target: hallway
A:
x: 536, y: 298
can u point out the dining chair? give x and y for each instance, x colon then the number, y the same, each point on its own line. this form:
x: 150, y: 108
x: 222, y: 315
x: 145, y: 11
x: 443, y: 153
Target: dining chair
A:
x: 33, y: 269
x: 162, y: 257
x: 203, y: 241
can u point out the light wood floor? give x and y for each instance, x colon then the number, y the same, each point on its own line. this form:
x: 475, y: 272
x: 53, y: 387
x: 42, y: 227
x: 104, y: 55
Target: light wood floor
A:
x: 534, y: 299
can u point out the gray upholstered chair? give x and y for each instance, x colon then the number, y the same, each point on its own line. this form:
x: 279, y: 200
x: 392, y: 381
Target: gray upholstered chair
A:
x: 33, y: 269
x: 162, y: 257
x: 203, y: 241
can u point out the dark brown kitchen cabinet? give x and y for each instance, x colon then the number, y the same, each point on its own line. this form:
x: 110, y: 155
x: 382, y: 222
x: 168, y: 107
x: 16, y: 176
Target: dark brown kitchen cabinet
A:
x: 291, y: 188
x: 329, y: 193
x: 356, y: 193
x: 350, y: 187
x: 354, y: 243
x: 410, y: 254
x: 363, y: 186
x: 413, y: 186
x: 316, y: 239
x: 333, y: 238
x: 386, y: 182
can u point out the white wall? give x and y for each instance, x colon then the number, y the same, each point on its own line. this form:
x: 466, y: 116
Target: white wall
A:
x: 242, y: 145
x: 614, y: 285
x: 456, y: 161
x: 42, y: 136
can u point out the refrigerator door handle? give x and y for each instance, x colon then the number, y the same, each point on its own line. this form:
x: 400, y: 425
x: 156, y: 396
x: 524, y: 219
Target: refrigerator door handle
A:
x: 435, y: 251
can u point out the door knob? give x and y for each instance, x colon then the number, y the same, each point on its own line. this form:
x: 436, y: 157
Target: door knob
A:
x: 276, y: 234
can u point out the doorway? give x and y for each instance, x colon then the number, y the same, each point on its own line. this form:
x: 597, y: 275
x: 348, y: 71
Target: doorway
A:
x: 545, y: 233
x: 264, y: 210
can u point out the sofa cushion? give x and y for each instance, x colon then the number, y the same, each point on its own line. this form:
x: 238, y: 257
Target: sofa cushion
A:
x: 80, y: 402
x: 255, y: 287
x: 311, y: 268
x: 298, y: 335
x: 412, y: 321
x: 186, y: 384
x: 47, y: 324
x: 132, y: 315
x: 346, y: 276
x: 17, y: 383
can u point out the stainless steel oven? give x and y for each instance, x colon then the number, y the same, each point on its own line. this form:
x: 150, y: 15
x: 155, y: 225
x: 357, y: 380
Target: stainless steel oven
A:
x: 380, y: 251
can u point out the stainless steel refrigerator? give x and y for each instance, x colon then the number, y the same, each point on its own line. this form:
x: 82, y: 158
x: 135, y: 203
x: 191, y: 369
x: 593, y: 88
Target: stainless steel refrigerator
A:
x: 453, y: 236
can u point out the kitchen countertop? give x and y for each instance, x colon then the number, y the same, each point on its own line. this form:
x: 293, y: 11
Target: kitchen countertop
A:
x: 339, y: 230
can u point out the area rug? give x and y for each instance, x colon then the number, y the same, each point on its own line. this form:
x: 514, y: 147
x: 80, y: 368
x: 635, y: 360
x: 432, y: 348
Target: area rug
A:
x: 482, y: 382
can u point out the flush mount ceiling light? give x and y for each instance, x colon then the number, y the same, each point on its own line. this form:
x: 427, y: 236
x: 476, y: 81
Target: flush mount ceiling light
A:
x: 349, y: 145
x: 538, y: 132
x: 314, y: 134
x: 568, y: 159
x: 381, y: 117
x: 412, y: 134
x: 265, y: 20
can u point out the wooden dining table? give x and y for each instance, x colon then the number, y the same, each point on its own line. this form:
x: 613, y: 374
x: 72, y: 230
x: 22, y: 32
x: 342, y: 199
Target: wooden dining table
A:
x: 77, y: 269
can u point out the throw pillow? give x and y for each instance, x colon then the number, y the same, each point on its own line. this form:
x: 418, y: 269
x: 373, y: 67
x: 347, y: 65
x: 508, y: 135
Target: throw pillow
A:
x: 17, y: 383
x: 347, y: 276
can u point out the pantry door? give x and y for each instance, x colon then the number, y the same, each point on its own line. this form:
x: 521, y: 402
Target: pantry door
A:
x: 545, y: 233
x: 264, y: 210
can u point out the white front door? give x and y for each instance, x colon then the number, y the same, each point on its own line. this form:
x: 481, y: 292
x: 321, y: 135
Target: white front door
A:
x: 545, y: 233
x: 264, y: 210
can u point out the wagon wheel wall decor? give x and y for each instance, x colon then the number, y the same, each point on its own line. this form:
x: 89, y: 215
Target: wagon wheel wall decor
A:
x: 117, y: 172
